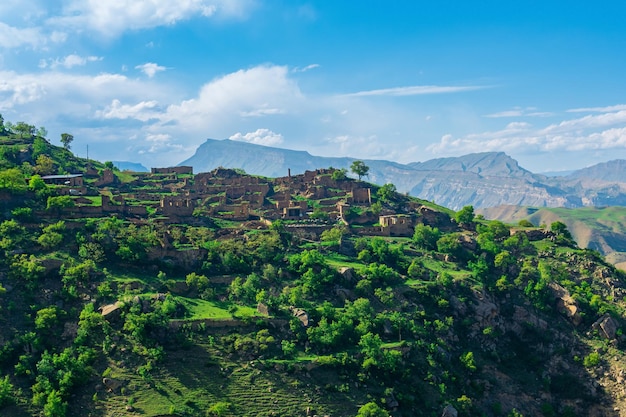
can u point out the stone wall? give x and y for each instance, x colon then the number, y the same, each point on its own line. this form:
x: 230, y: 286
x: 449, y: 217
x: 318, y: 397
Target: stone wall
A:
x: 172, y: 170
x: 361, y: 196
x: 176, y: 206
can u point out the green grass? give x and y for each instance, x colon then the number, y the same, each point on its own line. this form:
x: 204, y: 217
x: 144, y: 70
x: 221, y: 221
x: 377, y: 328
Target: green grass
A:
x: 337, y: 260
x: 442, y: 266
x: 201, y: 309
x: 96, y: 200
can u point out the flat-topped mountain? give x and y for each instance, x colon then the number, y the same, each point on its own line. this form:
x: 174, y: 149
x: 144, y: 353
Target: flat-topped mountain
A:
x: 486, y: 179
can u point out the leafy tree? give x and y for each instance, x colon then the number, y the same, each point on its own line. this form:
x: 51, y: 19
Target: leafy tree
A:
x: 26, y: 268
x: 40, y: 147
x: 372, y: 409
x: 339, y: 174
x: 66, y: 140
x: 525, y: 223
x: 93, y: 251
x: 479, y: 268
x: 46, y: 318
x: 52, y: 235
x: 359, y: 168
x: 24, y: 129
x: 560, y: 229
x: 6, y: 391
x: 425, y: 237
x: 378, y: 250
x: 55, y: 406
x: 386, y: 193
x: 77, y: 274
x: 42, y: 132
x: 318, y: 213
x: 197, y: 282
x: 333, y: 236
x: 59, y: 202
x: 12, y: 235
x: 12, y: 180
x: 313, y: 269
x: 465, y: 215
x: 467, y: 359
x: 220, y: 408
x: 44, y: 165
x: 36, y: 183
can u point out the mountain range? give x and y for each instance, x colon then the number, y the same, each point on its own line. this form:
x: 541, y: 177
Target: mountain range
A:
x: 483, y: 180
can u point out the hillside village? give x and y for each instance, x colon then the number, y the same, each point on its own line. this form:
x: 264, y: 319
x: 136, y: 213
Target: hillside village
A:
x: 311, y: 202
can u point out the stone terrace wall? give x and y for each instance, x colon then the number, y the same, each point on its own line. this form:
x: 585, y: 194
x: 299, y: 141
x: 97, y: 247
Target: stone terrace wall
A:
x: 172, y: 170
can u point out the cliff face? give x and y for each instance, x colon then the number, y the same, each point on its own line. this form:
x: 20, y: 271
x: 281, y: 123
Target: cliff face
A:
x: 482, y: 180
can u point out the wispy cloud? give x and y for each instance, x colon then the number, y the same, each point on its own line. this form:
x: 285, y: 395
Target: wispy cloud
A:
x: 519, y: 112
x: 69, y: 61
x: 263, y: 111
x: 305, y: 69
x: 150, y: 68
x: 415, y: 90
x: 618, y: 107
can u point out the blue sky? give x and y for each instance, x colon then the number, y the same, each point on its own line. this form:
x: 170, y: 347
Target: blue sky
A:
x: 149, y: 81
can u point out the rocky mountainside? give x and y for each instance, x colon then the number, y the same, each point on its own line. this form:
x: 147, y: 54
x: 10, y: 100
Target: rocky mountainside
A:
x: 611, y: 171
x: 486, y: 179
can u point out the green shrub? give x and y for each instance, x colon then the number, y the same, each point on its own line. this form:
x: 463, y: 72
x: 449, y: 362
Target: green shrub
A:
x: 591, y: 360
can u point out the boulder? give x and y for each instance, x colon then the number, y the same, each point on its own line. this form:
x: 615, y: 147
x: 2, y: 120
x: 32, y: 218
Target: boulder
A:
x: 485, y: 312
x: 565, y: 303
x: 263, y: 309
x: 112, y: 384
x: 606, y: 326
x: 112, y: 312
x: 449, y: 411
x: 348, y: 273
x: 302, y: 315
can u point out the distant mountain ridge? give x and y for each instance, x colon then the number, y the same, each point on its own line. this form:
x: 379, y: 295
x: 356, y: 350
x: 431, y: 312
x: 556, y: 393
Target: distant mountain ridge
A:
x: 485, y: 179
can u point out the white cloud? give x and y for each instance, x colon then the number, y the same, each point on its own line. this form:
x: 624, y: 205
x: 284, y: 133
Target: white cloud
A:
x: 519, y: 112
x: 257, y: 91
x: 305, y: 69
x: 506, y: 113
x: 598, y: 132
x: 20, y: 93
x: 69, y: 61
x: 113, y: 17
x: 259, y: 137
x: 150, y: 68
x: 263, y: 111
x: 359, y: 146
x: 606, y: 109
x: 12, y: 37
x: 142, y: 111
x: 53, y: 95
x: 415, y: 90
